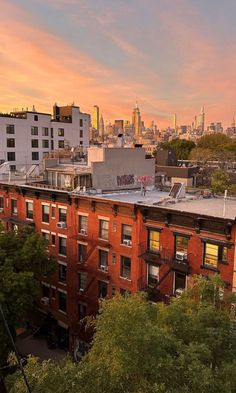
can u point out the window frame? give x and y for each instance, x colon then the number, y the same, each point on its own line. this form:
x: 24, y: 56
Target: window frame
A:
x: 124, y: 269
x: 103, y: 230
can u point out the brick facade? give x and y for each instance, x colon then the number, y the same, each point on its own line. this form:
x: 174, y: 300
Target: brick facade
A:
x: 120, y: 262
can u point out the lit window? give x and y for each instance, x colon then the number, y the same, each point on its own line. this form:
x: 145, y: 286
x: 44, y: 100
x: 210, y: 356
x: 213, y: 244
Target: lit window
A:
x: 211, y: 254
x: 153, y: 240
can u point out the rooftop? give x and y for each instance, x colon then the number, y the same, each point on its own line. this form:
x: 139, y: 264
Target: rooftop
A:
x: 190, y: 204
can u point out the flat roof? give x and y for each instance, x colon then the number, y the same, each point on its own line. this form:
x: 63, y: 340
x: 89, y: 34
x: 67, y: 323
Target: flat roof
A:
x: 212, y: 207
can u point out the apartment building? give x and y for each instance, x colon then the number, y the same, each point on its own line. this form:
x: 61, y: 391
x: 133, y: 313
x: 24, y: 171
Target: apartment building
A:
x: 28, y: 136
x: 119, y: 243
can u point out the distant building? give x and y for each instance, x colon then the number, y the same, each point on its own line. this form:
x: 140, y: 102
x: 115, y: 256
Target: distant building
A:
x: 95, y: 118
x: 28, y: 136
x: 101, y: 127
x: 136, y: 121
x: 118, y: 126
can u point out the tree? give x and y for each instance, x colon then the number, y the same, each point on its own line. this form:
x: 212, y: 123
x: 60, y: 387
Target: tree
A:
x: 23, y: 258
x: 219, y: 181
x: 188, y: 346
x: 213, y: 141
x: 182, y: 147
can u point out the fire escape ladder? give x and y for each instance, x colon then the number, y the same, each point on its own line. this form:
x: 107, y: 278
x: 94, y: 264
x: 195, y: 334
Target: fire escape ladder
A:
x: 89, y: 253
x: 163, y: 277
x: 89, y: 285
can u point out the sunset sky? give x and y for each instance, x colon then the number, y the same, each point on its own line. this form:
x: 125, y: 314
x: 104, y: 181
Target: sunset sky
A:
x: 172, y: 55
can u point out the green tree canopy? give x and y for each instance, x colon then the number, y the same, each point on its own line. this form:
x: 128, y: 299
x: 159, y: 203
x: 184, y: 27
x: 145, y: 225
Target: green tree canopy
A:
x: 213, y: 141
x: 23, y: 258
x: 220, y: 181
x: 186, y: 347
x: 182, y: 147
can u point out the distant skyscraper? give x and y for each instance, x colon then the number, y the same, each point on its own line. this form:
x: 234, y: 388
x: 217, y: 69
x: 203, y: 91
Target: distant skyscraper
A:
x: 175, y: 122
x: 95, y: 122
x: 101, y: 126
x: 136, y: 121
x: 201, y: 120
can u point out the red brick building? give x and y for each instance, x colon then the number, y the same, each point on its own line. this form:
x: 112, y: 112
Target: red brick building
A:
x: 109, y: 244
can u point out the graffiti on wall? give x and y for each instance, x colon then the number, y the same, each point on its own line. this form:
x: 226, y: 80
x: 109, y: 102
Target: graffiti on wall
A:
x: 125, y: 180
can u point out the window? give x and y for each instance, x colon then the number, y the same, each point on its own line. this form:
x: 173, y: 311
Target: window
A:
x: 46, y: 236
x: 113, y: 290
x: 36, y: 117
x: 34, y: 130
x: 211, y: 254
x: 13, y: 206
x: 12, y: 168
x: 44, y: 131
x: 125, y: 267
x: 45, y: 290
x: 10, y: 129
x: 82, y: 252
x: 34, y: 143
x: 83, y: 225
x: 11, y: 156
x: 45, y: 213
x: 45, y: 144
x: 53, y: 240
x: 1, y: 204
x: 81, y: 143
x: 62, y: 214
x: 62, y: 245
x: 62, y: 301
x: 35, y: 156
x: 10, y: 142
x: 81, y: 133
x: 61, y: 144
x: 214, y: 253
x: 102, y: 289
x: 103, y: 229
x: 153, y: 240
x: 62, y: 272
x: 153, y: 275
x: 60, y: 131
x: 81, y: 122
x: 126, y: 235
x: 82, y: 281
x: 29, y: 210
x: 51, y: 132
x: 179, y: 281
x: 103, y: 260
x: 53, y: 211
x: 181, y: 245
x: 52, y: 145
x: 81, y: 311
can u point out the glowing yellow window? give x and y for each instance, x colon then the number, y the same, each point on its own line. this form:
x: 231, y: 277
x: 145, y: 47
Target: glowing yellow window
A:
x: 211, y: 254
x: 154, y: 241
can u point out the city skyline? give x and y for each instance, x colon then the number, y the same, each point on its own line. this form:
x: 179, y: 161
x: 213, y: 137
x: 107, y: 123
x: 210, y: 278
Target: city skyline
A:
x: 174, y: 58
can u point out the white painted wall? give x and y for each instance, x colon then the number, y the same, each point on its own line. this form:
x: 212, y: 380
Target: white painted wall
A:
x: 23, y: 137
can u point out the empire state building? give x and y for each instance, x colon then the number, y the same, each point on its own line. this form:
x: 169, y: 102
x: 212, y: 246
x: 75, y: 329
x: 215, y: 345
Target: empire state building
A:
x: 136, y: 121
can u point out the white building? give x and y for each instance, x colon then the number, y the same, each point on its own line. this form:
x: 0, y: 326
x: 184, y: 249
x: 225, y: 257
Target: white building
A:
x: 28, y: 136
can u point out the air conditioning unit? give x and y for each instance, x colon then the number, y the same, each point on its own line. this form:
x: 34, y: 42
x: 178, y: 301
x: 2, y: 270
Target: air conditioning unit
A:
x: 103, y: 267
x: 1, y: 209
x: 83, y: 231
x: 179, y: 292
x: 127, y: 242
x: 61, y: 224
x: 181, y: 256
x: 45, y: 301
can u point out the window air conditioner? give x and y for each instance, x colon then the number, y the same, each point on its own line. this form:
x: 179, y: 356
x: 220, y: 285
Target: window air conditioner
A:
x: 179, y: 292
x: 61, y: 224
x: 45, y: 301
x: 181, y: 256
x: 127, y: 242
x: 103, y: 267
x: 83, y: 231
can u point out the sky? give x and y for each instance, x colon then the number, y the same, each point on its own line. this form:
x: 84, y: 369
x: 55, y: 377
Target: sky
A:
x: 172, y: 56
